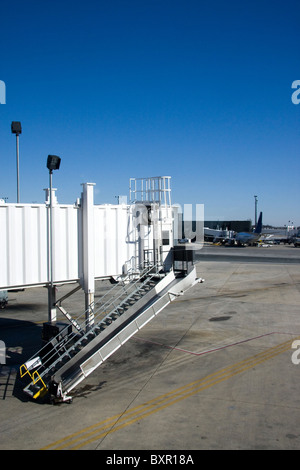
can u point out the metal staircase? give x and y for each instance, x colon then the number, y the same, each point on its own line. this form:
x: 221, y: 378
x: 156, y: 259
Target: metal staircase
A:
x: 79, y: 348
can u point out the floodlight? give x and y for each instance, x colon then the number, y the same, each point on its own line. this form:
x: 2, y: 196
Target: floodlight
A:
x: 16, y: 127
x: 53, y: 162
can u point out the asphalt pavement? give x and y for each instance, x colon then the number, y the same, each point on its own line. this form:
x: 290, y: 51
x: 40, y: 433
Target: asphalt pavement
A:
x: 215, y: 370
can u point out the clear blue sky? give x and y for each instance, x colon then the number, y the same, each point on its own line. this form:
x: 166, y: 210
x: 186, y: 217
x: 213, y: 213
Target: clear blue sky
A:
x: 192, y: 89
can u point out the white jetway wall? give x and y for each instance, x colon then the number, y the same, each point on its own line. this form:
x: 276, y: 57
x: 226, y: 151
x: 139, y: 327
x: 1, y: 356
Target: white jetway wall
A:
x: 115, y: 240
x: 23, y: 245
x: 89, y: 241
x: 24, y: 238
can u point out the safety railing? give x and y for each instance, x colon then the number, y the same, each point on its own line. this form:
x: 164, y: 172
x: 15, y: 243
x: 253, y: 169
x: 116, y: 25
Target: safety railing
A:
x: 35, y: 378
x: 63, y: 344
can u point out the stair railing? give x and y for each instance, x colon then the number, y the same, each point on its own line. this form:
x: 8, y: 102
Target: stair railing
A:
x: 59, y: 346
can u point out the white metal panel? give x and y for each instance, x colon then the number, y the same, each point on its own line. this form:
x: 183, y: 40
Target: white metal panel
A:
x: 65, y: 243
x: 88, y: 237
x: 23, y: 245
x: 34, y: 244
x: 4, y: 237
x: 24, y: 242
x: 15, y: 245
x: 112, y: 246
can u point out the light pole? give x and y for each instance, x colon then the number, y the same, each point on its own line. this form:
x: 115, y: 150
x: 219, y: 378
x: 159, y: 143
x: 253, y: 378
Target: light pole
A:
x: 255, y: 199
x: 16, y: 128
x: 53, y: 163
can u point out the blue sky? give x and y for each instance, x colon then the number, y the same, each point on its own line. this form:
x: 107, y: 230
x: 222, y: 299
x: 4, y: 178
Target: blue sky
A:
x: 192, y: 89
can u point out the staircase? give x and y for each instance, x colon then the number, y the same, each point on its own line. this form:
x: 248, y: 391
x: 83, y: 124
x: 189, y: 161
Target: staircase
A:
x: 89, y: 340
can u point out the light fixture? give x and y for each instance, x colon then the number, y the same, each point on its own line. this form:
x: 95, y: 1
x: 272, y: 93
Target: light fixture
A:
x: 53, y: 162
x: 16, y: 128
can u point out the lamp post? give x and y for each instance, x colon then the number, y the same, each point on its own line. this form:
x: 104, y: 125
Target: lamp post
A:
x: 16, y: 128
x: 255, y: 199
x: 53, y: 163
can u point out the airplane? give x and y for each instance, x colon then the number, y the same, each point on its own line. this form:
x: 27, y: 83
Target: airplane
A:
x: 3, y: 298
x: 246, y: 238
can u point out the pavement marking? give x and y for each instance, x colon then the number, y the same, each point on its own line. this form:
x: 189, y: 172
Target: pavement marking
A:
x: 206, y: 351
x: 99, y: 430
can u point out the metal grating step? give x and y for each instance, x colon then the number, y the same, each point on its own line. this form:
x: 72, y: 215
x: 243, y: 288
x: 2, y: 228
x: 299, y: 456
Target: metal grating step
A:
x: 121, y: 298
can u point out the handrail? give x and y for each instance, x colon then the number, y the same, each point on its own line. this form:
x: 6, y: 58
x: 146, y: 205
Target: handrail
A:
x: 61, y: 345
x: 35, y: 377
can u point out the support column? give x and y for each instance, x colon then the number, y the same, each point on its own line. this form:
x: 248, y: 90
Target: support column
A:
x: 88, y: 252
x: 51, y: 304
x: 51, y: 200
x: 141, y: 238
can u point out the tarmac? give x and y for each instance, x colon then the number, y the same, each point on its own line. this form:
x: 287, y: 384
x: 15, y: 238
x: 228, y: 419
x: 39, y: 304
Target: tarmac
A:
x: 218, y: 369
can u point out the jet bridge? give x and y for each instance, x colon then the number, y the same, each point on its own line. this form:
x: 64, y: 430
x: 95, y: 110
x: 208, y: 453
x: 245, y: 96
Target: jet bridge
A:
x: 79, y: 348
x: 159, y: 274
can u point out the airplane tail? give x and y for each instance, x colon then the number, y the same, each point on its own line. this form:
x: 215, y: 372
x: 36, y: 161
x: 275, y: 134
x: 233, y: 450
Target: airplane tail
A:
x: 258, y: 228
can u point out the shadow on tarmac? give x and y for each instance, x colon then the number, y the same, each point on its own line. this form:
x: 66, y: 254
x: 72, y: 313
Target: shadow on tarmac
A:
x: 22, y: 339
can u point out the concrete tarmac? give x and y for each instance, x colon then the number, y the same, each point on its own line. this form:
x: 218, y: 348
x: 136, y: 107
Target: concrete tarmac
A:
x: 215, y: 370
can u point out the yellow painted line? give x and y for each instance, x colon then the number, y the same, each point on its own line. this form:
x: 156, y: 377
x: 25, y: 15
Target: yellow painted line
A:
x: 117, y: 422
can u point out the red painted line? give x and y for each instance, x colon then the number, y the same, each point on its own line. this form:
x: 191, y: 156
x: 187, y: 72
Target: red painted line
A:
x: 215, y: 349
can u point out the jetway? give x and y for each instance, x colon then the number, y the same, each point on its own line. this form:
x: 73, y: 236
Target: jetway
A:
x: 88, y: 241
x: 132, y: 244
x: 97, y: 238
x: 74, y: 353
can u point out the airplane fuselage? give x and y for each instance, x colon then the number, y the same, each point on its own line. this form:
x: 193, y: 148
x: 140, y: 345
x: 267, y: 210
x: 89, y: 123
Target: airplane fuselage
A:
x: 246, y: 238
